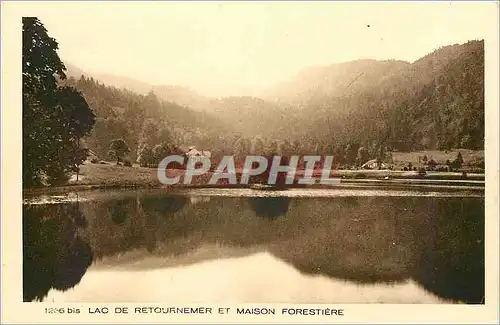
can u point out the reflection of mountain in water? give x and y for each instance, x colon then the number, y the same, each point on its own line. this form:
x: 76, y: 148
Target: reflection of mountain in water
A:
x: 452, y: 262
x: 437, y: 242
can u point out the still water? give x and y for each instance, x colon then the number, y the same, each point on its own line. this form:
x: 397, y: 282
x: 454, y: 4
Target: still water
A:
x: 298, y: 246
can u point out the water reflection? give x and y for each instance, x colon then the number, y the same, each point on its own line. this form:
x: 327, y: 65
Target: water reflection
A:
x: 54, y: 255
x: 451, y: 264
x: 438, y: 243
x: 118, y: 210
x: 269, y: 207
x: 163, y: 206
x: 435, y: 242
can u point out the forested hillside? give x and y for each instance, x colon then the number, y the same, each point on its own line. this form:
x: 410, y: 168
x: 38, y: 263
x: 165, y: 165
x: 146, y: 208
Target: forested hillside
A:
x: 252, y: 116
x: 142, y: 120
x: 374, y: 106
x: 335, y: 80
x: 435, y: 102
x: 182, y: 96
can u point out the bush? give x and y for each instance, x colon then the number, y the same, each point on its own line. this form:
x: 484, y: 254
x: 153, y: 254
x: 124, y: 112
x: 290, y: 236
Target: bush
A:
x: 57, y: 176
x: 127, y: 163
x: 479, y: 164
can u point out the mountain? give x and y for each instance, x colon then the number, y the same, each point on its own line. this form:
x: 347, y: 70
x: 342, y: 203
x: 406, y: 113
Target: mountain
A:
x: 436, y: 102
x: 182, y: 96
x: 251, y: 116
x: 336, y: 80
x: 143, y: 120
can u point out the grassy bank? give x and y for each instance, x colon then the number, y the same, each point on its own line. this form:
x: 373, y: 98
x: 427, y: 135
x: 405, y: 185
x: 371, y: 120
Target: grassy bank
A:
x: 470, y: 157
x: 99, y: 176
x: 112, y: 175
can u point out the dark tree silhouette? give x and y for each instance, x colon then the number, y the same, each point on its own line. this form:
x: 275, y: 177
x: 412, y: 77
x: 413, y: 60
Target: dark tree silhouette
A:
x: 54, y: 118
x: 119, y: 148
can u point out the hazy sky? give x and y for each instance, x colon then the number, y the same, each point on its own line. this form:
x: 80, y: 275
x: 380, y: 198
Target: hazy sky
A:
x: 234, y: 48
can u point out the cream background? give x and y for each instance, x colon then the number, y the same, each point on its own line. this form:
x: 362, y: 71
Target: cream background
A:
x: 13, y: 310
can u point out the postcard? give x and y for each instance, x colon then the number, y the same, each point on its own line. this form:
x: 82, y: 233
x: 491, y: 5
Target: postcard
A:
x: 250, y: 162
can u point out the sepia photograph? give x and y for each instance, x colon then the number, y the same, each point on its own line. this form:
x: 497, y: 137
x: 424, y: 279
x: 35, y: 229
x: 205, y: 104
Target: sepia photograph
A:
x: 209, y: 153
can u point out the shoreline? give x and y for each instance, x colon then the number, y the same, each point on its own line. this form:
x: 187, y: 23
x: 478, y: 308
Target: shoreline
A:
x: 112, y: 177
x: 351, y: 184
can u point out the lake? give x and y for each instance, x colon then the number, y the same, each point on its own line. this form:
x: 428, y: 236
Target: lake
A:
x: 359, y: 245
